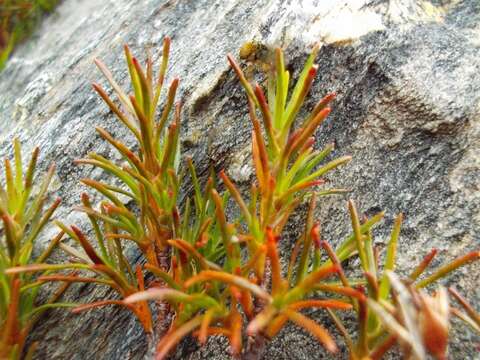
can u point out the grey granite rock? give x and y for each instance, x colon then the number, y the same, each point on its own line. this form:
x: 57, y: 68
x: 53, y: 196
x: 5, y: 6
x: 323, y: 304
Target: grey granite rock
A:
x: 408, y: 110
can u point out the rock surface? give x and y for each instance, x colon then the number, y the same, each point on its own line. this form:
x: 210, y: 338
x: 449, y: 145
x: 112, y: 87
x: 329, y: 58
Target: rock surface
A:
x: 408, y: 110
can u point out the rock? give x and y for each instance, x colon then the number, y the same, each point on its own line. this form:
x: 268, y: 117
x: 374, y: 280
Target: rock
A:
x: 408, y: 110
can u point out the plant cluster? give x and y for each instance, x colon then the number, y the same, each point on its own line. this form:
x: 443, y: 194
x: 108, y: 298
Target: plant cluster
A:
x: 220, y: 274
x: 17, y: 20
x: 23, y: 215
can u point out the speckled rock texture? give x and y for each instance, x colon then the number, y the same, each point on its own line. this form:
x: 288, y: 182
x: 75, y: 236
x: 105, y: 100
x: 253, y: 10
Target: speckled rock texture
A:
x: 407, y: 75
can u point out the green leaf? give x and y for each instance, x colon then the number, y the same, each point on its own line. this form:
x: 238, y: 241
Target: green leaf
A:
x: 390, y: 258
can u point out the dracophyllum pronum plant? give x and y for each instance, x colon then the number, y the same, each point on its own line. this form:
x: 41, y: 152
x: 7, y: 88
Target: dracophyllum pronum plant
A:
x: 292, y: 165
x: 382, y: 301
x: 24, y: 215
x: 149, y: 180
x: 151, y: 174
x: 285, y: 160
x: 286, y: 173
x: 222, y: 275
